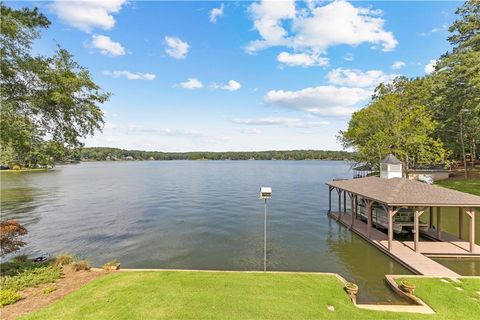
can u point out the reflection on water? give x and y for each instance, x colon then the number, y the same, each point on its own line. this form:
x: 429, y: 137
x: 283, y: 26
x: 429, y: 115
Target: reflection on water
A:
x: 195, y: 215
x: 464, y: 266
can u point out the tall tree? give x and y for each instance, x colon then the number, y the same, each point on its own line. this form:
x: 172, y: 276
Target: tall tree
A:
x: 42, y: 98
x: 456, y: 83
x: 395, y: 122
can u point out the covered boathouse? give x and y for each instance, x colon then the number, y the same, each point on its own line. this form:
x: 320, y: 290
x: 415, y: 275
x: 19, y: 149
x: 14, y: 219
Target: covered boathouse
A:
x: 393, y: 193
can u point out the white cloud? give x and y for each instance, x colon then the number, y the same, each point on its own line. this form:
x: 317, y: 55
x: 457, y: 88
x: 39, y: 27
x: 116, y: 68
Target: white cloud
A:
x: 321, y: 100
x: 215, y: 13
x: 357, y: 78
x: 176, y: 48
x: 191, y: 83
x: 280, y: 121
x: 130, y: 75
x: 398, y: 65
x: 86, y: 15
x: 231, y: 85
x: 434, y: 30
x: 317, y: 27
x: 267, y: 19
x: 348, y: 57
x: 430, y: 67
x: 302, y: 59
x: 107, y: 46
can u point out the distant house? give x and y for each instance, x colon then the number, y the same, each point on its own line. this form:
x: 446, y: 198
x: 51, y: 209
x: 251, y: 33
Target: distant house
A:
x: 437, y: 172
x: 391, y: 167
x: 129, y: 158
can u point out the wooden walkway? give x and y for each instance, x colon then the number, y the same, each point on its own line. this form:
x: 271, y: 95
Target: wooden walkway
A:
x: 402, y: 251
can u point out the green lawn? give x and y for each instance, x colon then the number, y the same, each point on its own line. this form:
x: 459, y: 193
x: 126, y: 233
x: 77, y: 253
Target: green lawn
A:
x: 471, y: 185
x: 450, y: 299
x: 221, y: 295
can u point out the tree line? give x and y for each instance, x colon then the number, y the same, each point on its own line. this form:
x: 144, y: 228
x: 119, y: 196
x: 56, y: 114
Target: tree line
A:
x: 434, y: 119
x: 112, y: 154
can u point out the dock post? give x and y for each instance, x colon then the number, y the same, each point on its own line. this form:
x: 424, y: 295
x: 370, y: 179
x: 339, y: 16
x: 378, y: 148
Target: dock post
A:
x: 339, y: 191
x: 390, y: 228
x: 439, y: 232
x: 370, y: 212
x: 330, y: 199
x: 430, y: 220
x: 471, y: 213
x: 415, y: 225
x: 460, y: 223
x: 344, y: 201
x: 356, y: 206
x: 352, y: 200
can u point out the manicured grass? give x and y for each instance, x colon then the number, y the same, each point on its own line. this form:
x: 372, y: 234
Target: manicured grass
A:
x: 217, y: 295
x: 471, y: 185
x: 450, y: 299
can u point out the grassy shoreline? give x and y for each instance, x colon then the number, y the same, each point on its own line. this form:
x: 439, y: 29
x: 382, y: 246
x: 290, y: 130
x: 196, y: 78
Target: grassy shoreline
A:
x: 240, y: 295
x: 469, y: 185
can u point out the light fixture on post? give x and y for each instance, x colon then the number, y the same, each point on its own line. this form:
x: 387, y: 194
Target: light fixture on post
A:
x: 265, y: 193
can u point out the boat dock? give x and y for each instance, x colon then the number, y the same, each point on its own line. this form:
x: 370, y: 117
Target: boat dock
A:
x: 389, y: 197
x: 404, y: 253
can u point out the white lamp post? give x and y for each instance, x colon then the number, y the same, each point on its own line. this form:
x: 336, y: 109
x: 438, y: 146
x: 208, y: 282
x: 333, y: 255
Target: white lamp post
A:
x: 265, y: 193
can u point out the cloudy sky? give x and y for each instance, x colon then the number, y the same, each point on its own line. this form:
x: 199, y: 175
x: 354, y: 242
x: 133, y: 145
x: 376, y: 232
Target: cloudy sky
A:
x: 241, y: 75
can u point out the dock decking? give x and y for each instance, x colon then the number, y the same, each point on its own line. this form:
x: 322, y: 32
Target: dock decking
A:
x: 403, y: 251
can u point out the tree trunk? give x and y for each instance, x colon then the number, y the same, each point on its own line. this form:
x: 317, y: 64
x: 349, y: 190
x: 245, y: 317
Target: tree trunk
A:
x: 474, y: 152
x: 462, y: 142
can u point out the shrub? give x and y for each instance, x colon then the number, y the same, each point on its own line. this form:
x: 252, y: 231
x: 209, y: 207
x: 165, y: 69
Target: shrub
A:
x: 21, y: 258
x: 16, y: 167
x: 29, y: 278
x: 80, y: 265
x: 63, y: 259
x: 8, y: 296
x: 48, y: 290
x: 18, y: 265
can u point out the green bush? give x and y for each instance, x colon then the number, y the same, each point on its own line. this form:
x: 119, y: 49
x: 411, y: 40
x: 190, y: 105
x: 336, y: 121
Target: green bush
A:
x: 21, y: 258
x: 48, y: 290
x: 8, y: 296
x: 80, y: 265
x: 17, y: 266
x: 29, y: 278
x: 63, y: 259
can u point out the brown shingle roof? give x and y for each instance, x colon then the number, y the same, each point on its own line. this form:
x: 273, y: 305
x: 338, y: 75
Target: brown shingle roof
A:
x: 399, y: 191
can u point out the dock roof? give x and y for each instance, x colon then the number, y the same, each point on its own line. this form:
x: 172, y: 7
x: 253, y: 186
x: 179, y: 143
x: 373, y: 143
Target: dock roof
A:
x: 404, y: 192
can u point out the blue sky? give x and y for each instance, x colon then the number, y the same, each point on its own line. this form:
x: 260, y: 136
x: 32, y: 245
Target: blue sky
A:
x: 221, y: 76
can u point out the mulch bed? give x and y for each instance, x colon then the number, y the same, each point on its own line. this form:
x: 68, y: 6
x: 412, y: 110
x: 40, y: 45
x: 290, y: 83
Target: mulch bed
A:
x: 35, y: 299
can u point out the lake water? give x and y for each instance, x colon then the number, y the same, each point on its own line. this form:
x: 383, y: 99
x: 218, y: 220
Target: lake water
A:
x: 195, y: 215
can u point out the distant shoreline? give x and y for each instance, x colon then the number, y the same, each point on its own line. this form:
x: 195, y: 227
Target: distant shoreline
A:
x: 116, y: 154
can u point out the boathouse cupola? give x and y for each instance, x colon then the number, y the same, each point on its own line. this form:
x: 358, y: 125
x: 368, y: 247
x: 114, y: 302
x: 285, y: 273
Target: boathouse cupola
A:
x: 391, y: 167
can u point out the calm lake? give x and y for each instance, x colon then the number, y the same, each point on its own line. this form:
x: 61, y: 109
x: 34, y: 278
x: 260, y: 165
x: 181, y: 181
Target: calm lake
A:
x: 195, y: 215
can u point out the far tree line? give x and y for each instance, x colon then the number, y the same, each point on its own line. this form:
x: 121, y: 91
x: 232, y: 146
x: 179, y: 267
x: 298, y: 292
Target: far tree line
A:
x: 112, y: 154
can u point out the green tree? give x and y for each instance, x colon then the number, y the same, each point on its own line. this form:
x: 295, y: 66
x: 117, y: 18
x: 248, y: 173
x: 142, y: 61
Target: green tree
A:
x: 42, y: 98
x: 456, y: 83
x: 394, y: 122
